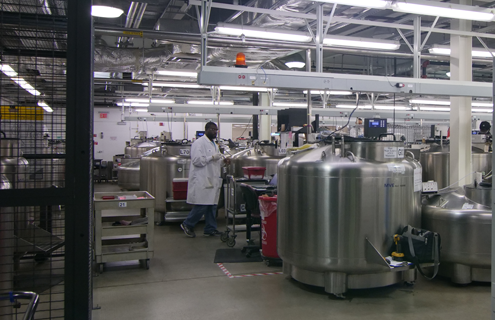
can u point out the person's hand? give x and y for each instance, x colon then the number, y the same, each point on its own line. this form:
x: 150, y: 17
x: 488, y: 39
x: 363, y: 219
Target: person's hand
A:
x: 216, y: 157
x: 227, y: 160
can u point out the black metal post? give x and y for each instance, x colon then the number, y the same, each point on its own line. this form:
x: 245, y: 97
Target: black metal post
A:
x: 78, y: 281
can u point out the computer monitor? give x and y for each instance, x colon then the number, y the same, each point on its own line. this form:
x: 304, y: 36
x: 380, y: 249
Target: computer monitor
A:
x: 199, y: 134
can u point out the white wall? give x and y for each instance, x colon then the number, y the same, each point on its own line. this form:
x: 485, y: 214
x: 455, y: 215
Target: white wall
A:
x: 115, y: 136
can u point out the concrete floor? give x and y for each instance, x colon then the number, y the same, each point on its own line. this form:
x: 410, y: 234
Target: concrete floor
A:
x: 184, y: 283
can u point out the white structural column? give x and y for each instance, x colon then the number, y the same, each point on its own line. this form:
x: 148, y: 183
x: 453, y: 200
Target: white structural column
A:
x: 460, y: 107
x: 265, y: 121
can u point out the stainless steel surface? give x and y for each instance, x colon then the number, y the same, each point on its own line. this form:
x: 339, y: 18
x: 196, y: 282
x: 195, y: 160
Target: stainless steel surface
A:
x: 330, y: 206
x: 136, y: 150
x: 260, y: 156
x: 436, y: 164
x: 464, y: 225
x: 129, y: 177
x: 158, y: 171
x: 9, y: 148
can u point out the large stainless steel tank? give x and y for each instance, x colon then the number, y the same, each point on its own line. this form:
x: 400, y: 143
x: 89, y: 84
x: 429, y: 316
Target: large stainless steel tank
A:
x: 463, y: 218
x: 436, y: 164
x: 129, y: 177
x: 136, y: 150
x: 261, y: 155
x: 12, y: 164
x: 157, y: 173
x: 337, y: 216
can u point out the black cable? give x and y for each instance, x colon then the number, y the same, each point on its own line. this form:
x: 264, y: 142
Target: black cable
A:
x: 246, y: 127
x: 357, y: 105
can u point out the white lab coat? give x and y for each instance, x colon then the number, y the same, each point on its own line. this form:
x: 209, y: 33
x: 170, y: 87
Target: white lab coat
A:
x: 204, y: 174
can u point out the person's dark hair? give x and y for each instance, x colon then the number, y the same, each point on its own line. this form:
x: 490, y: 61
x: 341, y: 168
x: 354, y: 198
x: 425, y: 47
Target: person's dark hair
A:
x: 209, y: 125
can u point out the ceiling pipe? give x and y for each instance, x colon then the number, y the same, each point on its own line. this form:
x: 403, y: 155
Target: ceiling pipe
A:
x: 128, y: 22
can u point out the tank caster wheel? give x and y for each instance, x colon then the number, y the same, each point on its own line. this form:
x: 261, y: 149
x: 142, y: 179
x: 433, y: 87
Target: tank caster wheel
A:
x: 267, y: 263
x: 101, y: 267
x: 224, y: 236
x: 410, y: 283
x: 231, y: 242
x: 145, y: 263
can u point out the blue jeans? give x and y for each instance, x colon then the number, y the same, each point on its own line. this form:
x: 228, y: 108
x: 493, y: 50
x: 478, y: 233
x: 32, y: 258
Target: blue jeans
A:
x: 209, y: 211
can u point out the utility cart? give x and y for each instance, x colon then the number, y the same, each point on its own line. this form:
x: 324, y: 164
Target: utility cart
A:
x: 124, y: 225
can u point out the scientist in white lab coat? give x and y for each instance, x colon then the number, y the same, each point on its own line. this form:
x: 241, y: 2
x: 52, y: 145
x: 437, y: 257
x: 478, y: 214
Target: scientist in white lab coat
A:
x: 204, y: 183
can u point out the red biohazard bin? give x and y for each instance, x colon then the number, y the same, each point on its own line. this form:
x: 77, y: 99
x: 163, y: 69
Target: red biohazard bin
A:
x: 254, y: 172
x: 268, y: 210
x: 180, y: 188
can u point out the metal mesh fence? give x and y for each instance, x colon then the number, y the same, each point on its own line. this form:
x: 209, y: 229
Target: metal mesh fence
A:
x: 33, y: 45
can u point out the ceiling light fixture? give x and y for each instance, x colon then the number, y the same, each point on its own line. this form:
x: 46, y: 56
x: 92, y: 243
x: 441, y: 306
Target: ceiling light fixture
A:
x: 262, y: 33
x: 140, y: 110
x: 475, y: 53
x: 434, y: 109
x: 153, y: 100
x: 176, y: 85
x: 482, y: 104
x: 243, y: 88
x: 45, y: 107
x: 346, y: 106
x: 177, y: 73
x: 210, y: 103
x: 295, y: 61
x: 383, y: 107
x: 354, y: 42
x: 120, y: 104
x: 433, y: 102
x: 106, y: 12
x: 333, y: 93
x: 289, y: 104
x: 8, y: 71
x: 443, y: 10
x: 482, y: 110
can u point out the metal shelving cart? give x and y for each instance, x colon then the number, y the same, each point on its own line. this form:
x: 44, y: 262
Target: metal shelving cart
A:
x: 133, y: 241
x: 235, y: 209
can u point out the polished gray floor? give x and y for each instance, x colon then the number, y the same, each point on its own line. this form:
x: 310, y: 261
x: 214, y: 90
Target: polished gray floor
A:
x: 184, y: 283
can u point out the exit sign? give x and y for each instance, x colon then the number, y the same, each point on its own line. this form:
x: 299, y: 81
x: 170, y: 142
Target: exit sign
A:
x: 103, y: 115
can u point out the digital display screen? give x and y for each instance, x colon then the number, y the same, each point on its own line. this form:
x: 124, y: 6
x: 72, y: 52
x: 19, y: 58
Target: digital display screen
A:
x: 374, y: 124
x: 199, y: 134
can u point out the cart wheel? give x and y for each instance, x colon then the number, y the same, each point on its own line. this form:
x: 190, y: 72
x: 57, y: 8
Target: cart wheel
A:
x: 224, y: 236
x: 231, y: 242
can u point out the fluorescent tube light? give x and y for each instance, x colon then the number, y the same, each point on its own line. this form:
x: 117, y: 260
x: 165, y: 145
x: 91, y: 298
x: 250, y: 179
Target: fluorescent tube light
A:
x: 447, y: 11
x: 140, y: 110
x: 383, y: 107
x: 177, y: 73
x: 360, y: 3
x: 209, y: 102
x: 434, y: 109
x: 482, y: 104
x: 289, y: 104
x: 353, y: 42
x: 243, y: 88
x: 475, y: 53
x: 433, y: 102
x: 262, y: 33
x: 26, y: 86
x: 45, y: 107
x: 8, y: 71
x: 448, y: 74
x: 176, y: 85
x: 333, y: 93
x: 106, y: 12
x: 133, y: 104
x: 153, y: 100
x: 295, y: 64
x: 346, y: 106
x: 482, y: 110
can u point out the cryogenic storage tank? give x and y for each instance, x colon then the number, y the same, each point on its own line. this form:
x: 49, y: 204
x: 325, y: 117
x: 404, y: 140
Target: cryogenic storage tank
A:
x: 12, y: 164
x: 261, y: 155
x: 136, y: 150
x: 463, y: 218
x: 436, y: 163
x: 128, y: 177
x: 337, y: 215
x: 157, y: 173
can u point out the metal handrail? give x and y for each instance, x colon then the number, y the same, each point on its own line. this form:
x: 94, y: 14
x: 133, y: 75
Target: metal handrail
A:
x: 33, y: 301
